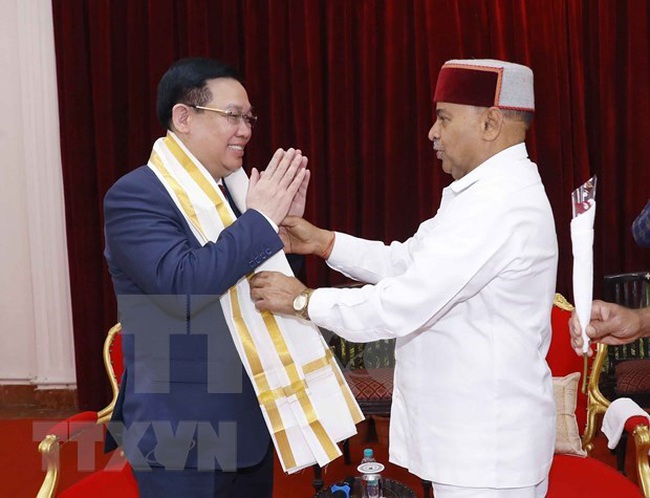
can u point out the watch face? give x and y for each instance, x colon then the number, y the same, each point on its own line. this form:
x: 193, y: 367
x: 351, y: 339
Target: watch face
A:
x: 299, y: 302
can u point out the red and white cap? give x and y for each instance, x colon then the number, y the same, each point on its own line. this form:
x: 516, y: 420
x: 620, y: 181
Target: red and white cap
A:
x: 486, y: 83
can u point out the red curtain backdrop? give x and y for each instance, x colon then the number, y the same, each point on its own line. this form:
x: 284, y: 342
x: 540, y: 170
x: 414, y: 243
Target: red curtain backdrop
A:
x: 350, y: 82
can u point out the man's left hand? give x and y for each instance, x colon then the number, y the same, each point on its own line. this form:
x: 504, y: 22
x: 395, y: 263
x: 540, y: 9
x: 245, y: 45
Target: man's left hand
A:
x: 275, y: 292
x: 297, y: 207
x: 298, y: 203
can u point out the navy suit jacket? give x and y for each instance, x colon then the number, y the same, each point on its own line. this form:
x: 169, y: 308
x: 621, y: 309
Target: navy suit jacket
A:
x: 185, y: 400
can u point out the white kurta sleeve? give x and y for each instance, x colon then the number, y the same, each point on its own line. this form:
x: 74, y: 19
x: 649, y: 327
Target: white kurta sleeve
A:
x: 450, y: 258
x: 369, y: 261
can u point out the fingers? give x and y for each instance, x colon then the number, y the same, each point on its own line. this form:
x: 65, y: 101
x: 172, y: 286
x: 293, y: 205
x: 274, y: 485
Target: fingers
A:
x: 574, y: 325
x: 255, y: 177
x: 293, y: 172
x: 259, y: 284
x: 258, y: 297
x: 275, y: 161
x: 593, y: 332
x: 575, y: 331
x: 277, y: 171
x: 602, y: 311
x: 281, y: 188
x: 598, y: 329
x: 274, y: 291
x: 286, y: 239
x: 294, y: 176
x: 296, y: 182
x: 612, y: 340
x: 288, y: 167
x: 266, y: 279
x: 576, y: 343
x: 302, y: 191
x: 260, y: 279
x: 291, y: 221
x: 599, y: 311
x: 299, y: 201
x: 284, y: 167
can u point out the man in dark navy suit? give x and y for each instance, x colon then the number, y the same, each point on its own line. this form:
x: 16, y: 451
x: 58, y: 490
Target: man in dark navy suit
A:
x: 187, y: 415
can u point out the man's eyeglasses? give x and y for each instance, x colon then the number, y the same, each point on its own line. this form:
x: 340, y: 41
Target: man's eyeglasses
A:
x: 234, y: 118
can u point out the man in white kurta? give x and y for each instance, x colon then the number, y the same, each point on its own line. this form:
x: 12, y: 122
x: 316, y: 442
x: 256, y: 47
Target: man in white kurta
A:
x: 468, y: 298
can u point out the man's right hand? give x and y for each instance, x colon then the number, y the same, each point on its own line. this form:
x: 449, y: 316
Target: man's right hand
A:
x: 273, y: 190
x: 610, y: 324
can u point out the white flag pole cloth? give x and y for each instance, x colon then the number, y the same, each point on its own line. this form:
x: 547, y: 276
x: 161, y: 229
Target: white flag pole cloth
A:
x: 583, y: 203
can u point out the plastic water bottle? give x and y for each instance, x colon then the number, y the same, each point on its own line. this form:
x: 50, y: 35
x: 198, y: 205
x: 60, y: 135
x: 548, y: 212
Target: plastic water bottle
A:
x: 371, y: 476
x: 368, y: 456
x: 372, y: 486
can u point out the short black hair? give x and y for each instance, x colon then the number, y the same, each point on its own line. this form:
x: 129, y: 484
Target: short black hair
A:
x: 185, y: 82
x: 517, y: 115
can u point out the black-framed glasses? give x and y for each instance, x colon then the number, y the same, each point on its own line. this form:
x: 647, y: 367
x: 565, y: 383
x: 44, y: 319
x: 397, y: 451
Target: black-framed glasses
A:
x: 234, y: 118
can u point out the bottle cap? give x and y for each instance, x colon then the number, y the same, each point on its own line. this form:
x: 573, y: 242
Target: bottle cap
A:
x: 367, y: 452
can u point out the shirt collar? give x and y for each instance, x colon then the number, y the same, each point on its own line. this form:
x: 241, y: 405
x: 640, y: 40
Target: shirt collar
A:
x: 486, y: 168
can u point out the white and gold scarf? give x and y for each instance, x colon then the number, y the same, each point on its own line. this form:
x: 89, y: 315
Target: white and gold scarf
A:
x: 306, y: 403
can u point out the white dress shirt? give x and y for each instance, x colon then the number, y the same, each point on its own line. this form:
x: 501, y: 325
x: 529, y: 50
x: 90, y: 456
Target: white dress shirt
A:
x: 468, y: 298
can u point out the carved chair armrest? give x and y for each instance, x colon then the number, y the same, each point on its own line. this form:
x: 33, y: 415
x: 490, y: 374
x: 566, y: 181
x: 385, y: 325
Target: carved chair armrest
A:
x: 597, y: 403
x: 112, y: 356
x: 69, y: 429
x: 74, y: 427
x: 638, y: 427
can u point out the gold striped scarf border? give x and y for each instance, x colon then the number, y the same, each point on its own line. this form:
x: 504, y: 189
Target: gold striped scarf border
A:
x: 329, y: 360
x: 325, y: 441
x: 247, y: 341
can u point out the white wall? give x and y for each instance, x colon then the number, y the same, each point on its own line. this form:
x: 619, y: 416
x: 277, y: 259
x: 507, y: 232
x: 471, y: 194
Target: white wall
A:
x: 35, y: 311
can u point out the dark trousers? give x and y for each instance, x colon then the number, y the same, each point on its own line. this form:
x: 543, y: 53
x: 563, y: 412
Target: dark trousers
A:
x: 250, y: 482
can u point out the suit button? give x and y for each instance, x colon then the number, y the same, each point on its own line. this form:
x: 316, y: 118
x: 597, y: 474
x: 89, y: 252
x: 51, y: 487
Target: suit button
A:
x: 268, y: 251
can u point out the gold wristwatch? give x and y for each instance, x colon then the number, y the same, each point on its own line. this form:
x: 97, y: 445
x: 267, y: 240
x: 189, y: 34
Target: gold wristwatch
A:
x: 301, y: 304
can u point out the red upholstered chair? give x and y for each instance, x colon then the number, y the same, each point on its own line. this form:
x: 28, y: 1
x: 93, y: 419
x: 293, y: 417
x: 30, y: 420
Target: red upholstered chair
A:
x: 624, y: 370
x: 85, y: 430
x: 575, y: 476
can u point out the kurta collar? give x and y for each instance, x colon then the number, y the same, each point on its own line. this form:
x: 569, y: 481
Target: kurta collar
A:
x: 485, y: 169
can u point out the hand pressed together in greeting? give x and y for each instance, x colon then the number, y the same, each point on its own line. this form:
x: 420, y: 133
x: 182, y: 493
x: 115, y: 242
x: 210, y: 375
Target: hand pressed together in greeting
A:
x: 281, y: 188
